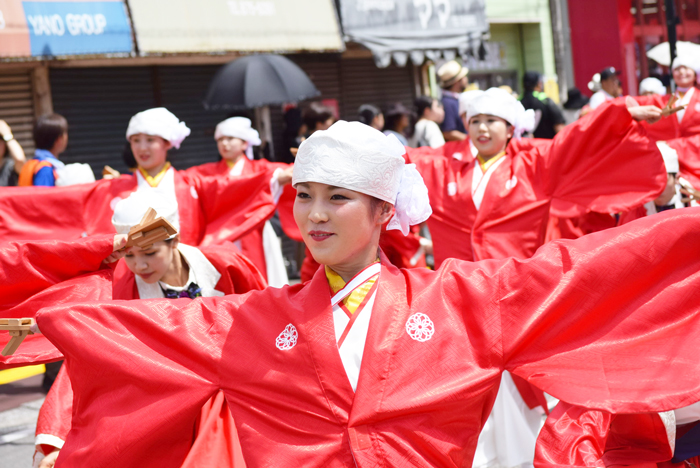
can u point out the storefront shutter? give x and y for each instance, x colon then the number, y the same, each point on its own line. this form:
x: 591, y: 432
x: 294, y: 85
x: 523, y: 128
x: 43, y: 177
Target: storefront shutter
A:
x: 17, y: 106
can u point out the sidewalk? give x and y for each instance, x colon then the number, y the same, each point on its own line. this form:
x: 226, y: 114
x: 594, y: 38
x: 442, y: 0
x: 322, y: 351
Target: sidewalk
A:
x: 19, y: 407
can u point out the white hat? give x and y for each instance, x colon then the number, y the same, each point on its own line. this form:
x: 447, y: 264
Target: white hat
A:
x: 652, y: 85
x: 129, y: 211
x: 158, y: 121
x: 358, y: 157
x: 500, y: 103
x: 684, y: 61
x: 239, y: 127
x: 465, y: 98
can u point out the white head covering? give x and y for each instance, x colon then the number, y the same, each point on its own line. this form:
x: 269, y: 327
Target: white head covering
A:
x: 500, y: 103
x: 158, y: 121
x: 129, y: 211
x: 684, y: 61
x: 652, y: 85
x: 239, y: 127
x: 465, y: 98
x: 358, y: 157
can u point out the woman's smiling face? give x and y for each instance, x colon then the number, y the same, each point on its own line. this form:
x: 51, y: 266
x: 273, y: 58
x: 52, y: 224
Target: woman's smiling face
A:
x: 490, y: 134
x: 339, y: 226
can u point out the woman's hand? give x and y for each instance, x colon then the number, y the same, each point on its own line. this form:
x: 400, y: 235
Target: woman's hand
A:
x: 49, y: 461
x: 650, y: 114
x: 120, y: 241
x: 285, y: 176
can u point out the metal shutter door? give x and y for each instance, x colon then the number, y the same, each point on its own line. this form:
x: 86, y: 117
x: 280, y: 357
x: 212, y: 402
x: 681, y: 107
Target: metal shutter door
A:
x: 182, y: 90
x: 362, y: 82
x: 98, y: 103
x: 17, y: 106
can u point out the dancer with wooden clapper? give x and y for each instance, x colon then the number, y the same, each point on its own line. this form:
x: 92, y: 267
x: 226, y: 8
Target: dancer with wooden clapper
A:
x: 398, y: 367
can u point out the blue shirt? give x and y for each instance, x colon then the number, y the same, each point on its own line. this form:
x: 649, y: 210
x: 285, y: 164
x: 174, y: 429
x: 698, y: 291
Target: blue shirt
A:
x: 452, y: 121
x: 45, y: 175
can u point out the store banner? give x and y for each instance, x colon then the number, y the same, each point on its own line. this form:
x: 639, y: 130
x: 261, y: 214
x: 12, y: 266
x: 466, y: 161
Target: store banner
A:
x: 415, y: 28
x: 59, y: 28
x: 212, y: 26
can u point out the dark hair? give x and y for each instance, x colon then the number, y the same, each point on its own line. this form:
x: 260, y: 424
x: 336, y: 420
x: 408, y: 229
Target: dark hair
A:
x: 530, y: 81
x: 393, y: 114
x: 421, y: 104
x: 48, y: 129
x: 367, y: 112
x: 128, y: 157
x: 315, y: 113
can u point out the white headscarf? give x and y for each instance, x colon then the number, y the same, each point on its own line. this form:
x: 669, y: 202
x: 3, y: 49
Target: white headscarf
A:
x: 358, y: 157
x: 684, y: 61
x: 500, y: 103
x: 652, y: 85
x: 239, y: 127
x: 465, y: 98
x: 158, y: 121
x: 129, y: 211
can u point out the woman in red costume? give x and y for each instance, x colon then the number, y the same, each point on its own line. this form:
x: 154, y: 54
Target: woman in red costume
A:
x: 235, y: 139
x: 166, y: 269
x: 212, y: 209
x: 367, y: 365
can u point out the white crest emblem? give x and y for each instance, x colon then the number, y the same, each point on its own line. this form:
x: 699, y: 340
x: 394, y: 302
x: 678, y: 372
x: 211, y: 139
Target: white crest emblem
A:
x: 510, y: 184
x: 288, y: 338
x: 420, y: 327
x: 193, y: 193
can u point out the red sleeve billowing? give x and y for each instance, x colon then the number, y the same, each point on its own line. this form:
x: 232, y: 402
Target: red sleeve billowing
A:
x: 604, y: 162
x: 688, y: 150
x: 609, y: 321
x: 165, y: 351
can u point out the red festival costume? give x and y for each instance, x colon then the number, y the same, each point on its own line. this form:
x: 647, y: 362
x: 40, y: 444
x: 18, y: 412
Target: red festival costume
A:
x: 587, y: 320
x: 576, y: 437
x: 252, y: 243
x: 670, y: 128
x: 212, y: 209
x: 604, y: 162
x: 216, y: 444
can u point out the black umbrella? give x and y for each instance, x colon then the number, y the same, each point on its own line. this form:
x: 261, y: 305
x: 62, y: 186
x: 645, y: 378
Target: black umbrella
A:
x: 256, y: 81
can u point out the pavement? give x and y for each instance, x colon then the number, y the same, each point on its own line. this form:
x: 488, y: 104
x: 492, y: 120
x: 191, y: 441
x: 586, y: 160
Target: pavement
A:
x: 19, y: 407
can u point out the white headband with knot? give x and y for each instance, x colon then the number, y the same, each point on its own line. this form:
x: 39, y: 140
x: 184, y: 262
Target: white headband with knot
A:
x: 158, y: 121
x: 129, y: 211
x: 500, y: 103
x: 358, y: 157
x: 239, y: 127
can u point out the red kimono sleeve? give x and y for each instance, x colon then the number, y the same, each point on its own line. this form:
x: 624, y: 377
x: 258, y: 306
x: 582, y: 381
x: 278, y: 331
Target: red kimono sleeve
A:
x: 688, y: 150
x: 609, y: 321
x: 233, y: 206
x: 604, y: 162
x: 145, y: 351
x: 576, y: 437
x: 27, y: 268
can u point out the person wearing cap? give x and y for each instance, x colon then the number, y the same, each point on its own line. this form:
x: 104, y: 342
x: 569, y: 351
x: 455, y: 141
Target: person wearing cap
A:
x: 549, y: 119
x: 397, y: 119
x: 686, y: 122
x: 367, y: 365
x: 575, y: 101
x: 166, y: 269
x: 211, y: 209
x: 235, y: 139
x: 610, y: 87
x: 452, y: 76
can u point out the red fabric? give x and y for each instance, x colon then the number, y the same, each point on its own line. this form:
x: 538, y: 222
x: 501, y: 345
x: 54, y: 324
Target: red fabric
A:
x: 216, y: 443
x: 308, y: 267
x: 604, y: 162
x: 38, y: 274
x: 401, y: 249
x: 251, y: 244
x: 147, y: 367
x: 688, y: 150
x: 573, y: 228
x: 212, y: 209
x: 669, y: 128
x: 575, y: 436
